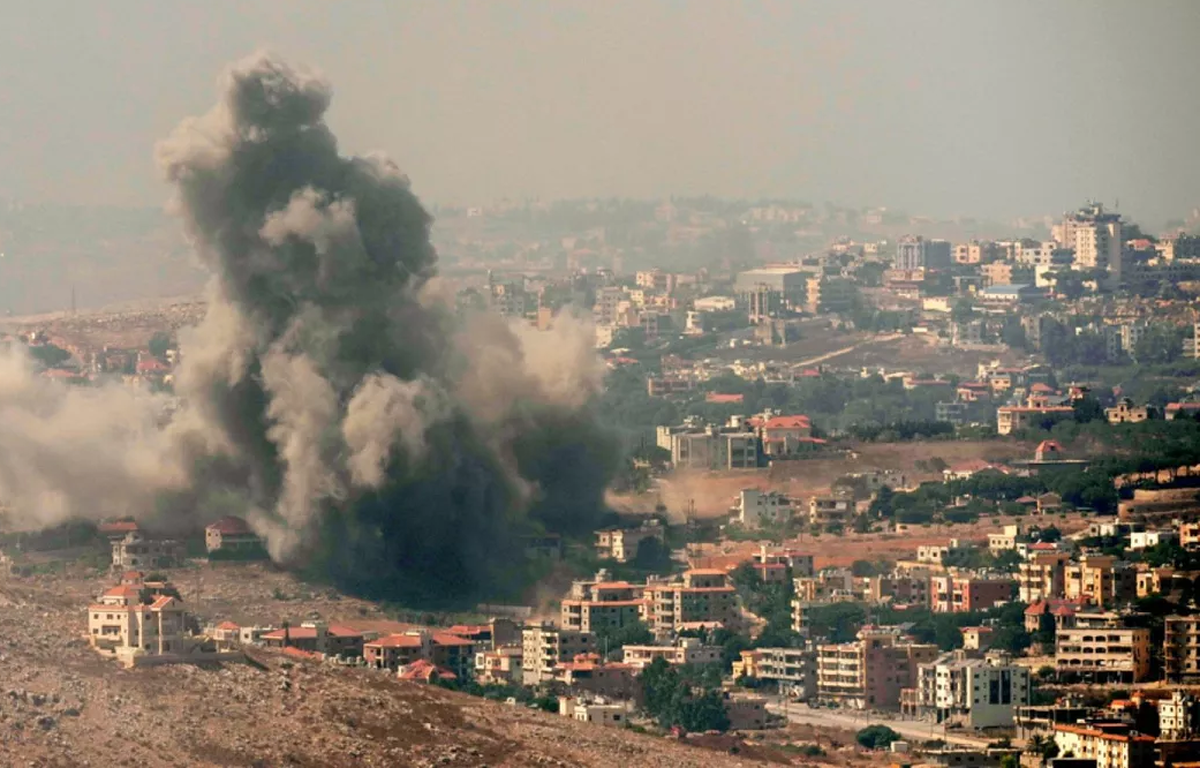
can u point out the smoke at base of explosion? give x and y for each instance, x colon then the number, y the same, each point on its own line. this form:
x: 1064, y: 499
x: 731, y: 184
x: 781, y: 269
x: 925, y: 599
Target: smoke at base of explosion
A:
x: 370, y: 435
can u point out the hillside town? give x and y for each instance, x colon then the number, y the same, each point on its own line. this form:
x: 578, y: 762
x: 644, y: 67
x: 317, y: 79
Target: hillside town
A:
x: 939, y: 495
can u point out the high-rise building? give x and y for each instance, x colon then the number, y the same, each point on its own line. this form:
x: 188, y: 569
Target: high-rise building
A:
x: 915, y: 252
x: 1095, y: 236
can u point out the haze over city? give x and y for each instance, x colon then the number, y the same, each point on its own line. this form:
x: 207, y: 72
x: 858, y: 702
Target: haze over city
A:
x: 656, y: 384
x: 982, y: 109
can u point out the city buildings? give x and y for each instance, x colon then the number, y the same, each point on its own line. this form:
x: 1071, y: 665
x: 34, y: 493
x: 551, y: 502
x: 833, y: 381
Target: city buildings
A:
x: 754, y: 507
x: 231, y: 534
x: 824, y: 511
x: 870, y: 672
x: 136, y: 551
x: 543, y: 646
x: 1181, y: 651
x: 1109, y: 745
x: 317, y: 637
x: 693, y: 446
x: 916, y: 252
x: 1099, y: 648
x: 702, y: 597
x: 123, y: 624
x: 685, y: 650
x: 964, y: 594
x: 1095, y: 236
x: 971, y: 692
x: 621, y: 544
x: 602, y: 605
x: 794, y: 669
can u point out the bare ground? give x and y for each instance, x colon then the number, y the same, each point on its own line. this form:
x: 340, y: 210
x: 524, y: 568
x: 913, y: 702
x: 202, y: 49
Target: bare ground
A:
x: 63, y: 705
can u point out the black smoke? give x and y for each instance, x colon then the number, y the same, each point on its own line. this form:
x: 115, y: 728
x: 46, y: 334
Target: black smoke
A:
x: 331, y: 396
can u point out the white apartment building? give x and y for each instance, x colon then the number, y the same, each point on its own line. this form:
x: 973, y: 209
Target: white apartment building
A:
x: 754, y: 507
x: 686, y: 650
x: 974, y: 693
x: 544, y: 646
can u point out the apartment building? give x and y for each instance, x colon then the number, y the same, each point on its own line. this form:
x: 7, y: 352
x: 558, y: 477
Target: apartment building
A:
x: 502, y: 666
x: 963, y: 594
x: 1110, y: 745
x: 1100, y: 579
x: 793, y: 668
x: 685, y: 650
x: 754, y: 507
x: 1181, y: 651
x: 1189, y: 533
x: 604, y: 604
x: 710, y: 447
x: 973, y: 693
x: 1179, y: 716
x: 911, y: 587
x: 1042, y: 576
x: 830, y: 510
x: 543, y: 646
x: 916, y: 252
x: 1149, y: 539
x: 621, y: 544
x: 800, y: 564
x: 1013, y: 418
x: 120, y: 624
x: 870, y: 672
x: 599, y: 712
x: 587, y: 672
x: 444, y: 650
x: 1095, y: 236
x: 1100, y: 649
x: 230, y: 534
x: 702, y: 597
x: 1005, y: 541
x: 135, y: 551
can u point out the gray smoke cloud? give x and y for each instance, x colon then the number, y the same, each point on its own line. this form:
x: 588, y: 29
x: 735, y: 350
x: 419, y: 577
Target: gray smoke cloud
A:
x: 330, y: 394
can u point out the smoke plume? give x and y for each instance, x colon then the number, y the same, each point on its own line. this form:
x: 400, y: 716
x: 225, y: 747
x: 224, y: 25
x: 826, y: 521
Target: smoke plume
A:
x: 330, y: 395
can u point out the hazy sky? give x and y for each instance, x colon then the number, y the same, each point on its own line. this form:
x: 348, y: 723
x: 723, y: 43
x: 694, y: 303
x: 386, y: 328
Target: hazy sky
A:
x: 951, y: 107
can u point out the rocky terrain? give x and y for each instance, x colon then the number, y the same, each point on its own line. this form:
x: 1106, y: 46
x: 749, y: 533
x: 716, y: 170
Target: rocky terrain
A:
x: 62, y: 705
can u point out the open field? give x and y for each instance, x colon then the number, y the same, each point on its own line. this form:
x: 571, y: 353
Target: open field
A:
x: 710, y: 494
x: 845, y: 548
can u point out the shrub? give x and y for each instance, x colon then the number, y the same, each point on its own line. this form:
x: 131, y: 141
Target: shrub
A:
x: 876, y: 737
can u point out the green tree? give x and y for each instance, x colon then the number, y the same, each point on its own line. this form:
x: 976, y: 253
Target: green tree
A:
x: 49, y: 355
x: 876, y: 737
x: 160, y: 342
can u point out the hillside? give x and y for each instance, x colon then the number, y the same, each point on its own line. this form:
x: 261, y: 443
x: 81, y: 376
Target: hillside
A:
x: 61, y: 705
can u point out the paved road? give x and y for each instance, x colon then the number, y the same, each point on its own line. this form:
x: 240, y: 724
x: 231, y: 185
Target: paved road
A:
x: 915, y: 730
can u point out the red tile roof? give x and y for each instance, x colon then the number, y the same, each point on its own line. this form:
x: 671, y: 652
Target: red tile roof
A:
x: 117, y: 526
x: 425, y: 670
x: 307, y: 633
x: 160, y: 602
x: 228, y: 625
x: 152, y: 365
x: 612, y: 585
x: 718, y: 397
x: 395, y: 641
x: 788, y: 422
